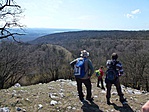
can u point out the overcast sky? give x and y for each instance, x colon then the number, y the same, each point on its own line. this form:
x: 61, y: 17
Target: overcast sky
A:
x: 86, y: 14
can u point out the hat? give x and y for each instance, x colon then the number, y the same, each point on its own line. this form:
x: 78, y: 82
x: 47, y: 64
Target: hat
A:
x: 84, y: 53
x: 114, y: 56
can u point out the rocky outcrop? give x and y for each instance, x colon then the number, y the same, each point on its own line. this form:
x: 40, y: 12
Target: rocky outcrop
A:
x: 62, y: 96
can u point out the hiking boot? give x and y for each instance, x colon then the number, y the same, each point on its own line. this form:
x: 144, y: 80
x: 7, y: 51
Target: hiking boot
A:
x: 90, y: 99
x: 108, y: 102
x: 103, y: 88
x: 98, y: 86
x: 82, y: 100
x: 124, y: 101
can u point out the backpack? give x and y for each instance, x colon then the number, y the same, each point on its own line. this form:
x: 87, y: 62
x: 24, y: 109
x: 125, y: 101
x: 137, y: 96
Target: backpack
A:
x: 111, y: 73
x: 97, y: 73
x: 79, y: 68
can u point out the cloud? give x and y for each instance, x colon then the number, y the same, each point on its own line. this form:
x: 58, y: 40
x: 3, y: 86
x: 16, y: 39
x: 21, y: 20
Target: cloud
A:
x: 130, y: 16
x: 136, y: 11
x: 133, y: 13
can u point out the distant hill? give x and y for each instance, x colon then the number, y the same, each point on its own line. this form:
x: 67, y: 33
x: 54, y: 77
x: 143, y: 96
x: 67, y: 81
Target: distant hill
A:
x: 90, y: 34
x: 33, y: 33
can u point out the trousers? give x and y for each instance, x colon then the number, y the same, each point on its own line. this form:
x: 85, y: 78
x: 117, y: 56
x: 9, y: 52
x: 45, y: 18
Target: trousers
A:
x: 88, y: 86
x: 118, y: 88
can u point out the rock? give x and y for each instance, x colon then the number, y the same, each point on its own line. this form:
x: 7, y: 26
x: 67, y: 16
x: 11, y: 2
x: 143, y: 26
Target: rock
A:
x: 27, y: 100
x: 62, y: 95
x: 103, y: 91
x: 74, y: 108
x: 130, y: 91
x: 40, y: 106
x: 53, y: 102
x: 114, y: 93
x: 51, y: 88
x: 95, y: 96
x: 4, y: 109
x: 23, y: 110
x: 144, y: 92
x: 131, y: 98
x: 62, y: 90
x: 73, y: 83
x: 17, y: 85
x: 69, y: 107
x: 53, y: 95
x: 137, y: 92
x: 18, y: 109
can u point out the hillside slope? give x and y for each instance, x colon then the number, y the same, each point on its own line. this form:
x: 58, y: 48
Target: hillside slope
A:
x: 61, y: 96
x: 46, y: 62
x: 57, y: 38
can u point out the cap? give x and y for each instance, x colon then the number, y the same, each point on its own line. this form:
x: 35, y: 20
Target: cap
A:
x: 114, y: 56
x: 84, y: 53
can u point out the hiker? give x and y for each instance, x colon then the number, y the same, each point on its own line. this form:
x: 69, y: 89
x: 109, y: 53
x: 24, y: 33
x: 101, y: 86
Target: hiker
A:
x: 145, y: 107
x: 88, y: 71
x: 114, y: 71
x: 100, y: 78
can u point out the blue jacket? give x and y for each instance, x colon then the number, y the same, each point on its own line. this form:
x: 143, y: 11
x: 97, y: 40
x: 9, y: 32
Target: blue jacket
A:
x: 89, y: 70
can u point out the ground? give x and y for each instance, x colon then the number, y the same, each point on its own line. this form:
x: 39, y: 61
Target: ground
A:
x: 61, y: 96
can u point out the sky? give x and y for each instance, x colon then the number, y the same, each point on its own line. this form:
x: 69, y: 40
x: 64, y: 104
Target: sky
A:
x: 86, y: 14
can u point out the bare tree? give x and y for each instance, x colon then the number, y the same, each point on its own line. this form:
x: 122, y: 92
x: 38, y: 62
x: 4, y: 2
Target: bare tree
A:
x: 10, y: 14
x: 135, y: 60
x: 53, y: 61
x: 13, y: 63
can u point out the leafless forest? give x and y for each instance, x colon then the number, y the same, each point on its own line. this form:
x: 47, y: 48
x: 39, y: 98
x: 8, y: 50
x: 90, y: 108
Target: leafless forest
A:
x: 47, y: 58
x: 31, y: 63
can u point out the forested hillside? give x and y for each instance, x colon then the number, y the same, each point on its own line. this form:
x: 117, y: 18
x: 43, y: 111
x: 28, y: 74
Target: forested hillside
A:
x: 131, y: 46
x: 32, y: 64
x: 47, y: 58
x: 62, y: 38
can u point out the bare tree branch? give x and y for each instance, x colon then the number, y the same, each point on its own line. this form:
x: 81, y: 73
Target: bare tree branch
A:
x: 10, y: 14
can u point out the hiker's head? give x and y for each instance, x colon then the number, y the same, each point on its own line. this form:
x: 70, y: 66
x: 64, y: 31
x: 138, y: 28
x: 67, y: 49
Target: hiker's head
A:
x: 84, y: 53
x: 114, y: 56
x: 101, y: 67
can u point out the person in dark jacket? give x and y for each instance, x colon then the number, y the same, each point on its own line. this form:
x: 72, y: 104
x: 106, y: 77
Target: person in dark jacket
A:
x: 89, y: 70
x: 119, y: 71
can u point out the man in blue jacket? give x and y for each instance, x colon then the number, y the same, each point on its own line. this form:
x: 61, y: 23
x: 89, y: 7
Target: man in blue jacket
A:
x: 89, y: 70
